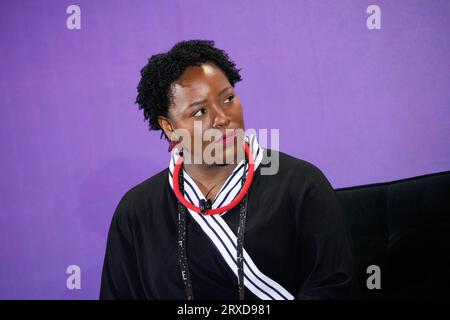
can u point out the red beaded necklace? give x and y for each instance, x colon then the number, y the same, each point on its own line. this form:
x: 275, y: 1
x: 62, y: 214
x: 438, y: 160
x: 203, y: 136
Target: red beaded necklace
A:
x: 232, y: 204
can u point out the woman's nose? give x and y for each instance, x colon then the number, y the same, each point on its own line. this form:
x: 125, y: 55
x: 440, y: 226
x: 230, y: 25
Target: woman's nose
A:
x: 221, y: 119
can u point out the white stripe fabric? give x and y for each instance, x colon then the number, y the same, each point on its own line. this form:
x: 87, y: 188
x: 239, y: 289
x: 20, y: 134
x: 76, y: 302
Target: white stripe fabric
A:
x: 220, y: 233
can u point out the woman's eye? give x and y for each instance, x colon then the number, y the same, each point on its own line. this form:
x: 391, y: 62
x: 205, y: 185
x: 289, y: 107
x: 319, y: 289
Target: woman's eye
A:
x: 199, y: 112
x: 230, y: 97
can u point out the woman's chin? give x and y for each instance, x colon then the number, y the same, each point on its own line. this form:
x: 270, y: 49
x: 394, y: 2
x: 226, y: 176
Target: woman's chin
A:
x: 230, y: 154
x: 225, y: 154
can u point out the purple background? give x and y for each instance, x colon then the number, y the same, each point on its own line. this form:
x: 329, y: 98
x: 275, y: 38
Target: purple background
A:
x: 363, y: 105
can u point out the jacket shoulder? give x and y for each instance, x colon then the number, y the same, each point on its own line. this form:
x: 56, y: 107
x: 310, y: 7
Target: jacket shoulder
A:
x: 140, y: 198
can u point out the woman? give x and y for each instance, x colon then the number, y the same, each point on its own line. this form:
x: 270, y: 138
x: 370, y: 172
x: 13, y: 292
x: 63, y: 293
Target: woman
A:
x: 221, y: 230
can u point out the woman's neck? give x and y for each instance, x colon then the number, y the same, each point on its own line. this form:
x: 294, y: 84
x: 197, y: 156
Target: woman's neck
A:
x: 211, y: 177
x: 208, y: 174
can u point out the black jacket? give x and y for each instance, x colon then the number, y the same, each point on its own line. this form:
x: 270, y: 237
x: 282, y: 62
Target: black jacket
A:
x: 295, y: 235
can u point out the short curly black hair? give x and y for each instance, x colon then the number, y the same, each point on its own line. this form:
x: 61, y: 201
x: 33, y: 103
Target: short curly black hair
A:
x: 154, y: 88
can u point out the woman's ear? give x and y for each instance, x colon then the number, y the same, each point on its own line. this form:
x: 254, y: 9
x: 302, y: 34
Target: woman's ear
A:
x: 166, y: 126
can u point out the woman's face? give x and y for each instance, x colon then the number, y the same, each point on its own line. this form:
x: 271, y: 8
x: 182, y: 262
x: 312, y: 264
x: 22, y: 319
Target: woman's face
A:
x: 204, y: 99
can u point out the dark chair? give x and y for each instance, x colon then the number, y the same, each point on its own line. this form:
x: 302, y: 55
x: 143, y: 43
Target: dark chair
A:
x: 404, y: 228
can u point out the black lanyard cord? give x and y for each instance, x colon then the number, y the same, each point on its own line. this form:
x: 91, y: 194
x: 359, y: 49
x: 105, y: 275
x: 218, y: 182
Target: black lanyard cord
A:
x: 182, y: 255
x: 182, y: 243
x: 240, y: 243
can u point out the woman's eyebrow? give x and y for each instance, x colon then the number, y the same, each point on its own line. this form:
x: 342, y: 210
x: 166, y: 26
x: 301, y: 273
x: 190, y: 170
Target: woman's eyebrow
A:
x: 223, y: 90
x: 196, y: 103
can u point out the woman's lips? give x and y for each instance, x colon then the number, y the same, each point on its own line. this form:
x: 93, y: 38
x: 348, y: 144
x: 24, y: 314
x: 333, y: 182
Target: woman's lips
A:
x: 227, y: 138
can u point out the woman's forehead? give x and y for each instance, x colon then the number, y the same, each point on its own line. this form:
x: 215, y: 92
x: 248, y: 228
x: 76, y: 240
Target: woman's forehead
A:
x: 204, y: 69
x: 198, y: 81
